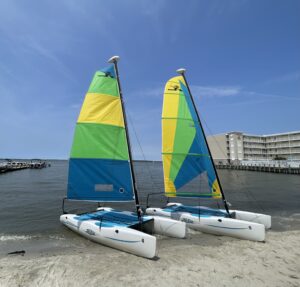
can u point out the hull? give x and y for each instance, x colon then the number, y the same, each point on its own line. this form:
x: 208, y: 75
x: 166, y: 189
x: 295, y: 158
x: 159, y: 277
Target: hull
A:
x: 169, y: 227
x: 264, y: 219
x: 122, y: 230
x: 226, y: 226
x: 218, y: 225
x: 118, y: 237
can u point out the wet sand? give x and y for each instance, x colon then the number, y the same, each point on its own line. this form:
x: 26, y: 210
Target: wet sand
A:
x: 199, y: 260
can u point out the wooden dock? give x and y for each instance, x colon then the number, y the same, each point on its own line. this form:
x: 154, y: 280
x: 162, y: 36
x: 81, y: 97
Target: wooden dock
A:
x: 18, y: 165
x: 261, y: 168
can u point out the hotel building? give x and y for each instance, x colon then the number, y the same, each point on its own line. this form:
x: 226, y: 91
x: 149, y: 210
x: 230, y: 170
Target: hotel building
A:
x: 238, y: 146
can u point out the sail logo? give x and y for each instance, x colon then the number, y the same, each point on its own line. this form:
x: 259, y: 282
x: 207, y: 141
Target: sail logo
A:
x: 90, y: 232
x: 104, y: 187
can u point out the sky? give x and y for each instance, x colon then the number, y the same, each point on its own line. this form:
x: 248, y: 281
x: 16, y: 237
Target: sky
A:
x: 242, y: 60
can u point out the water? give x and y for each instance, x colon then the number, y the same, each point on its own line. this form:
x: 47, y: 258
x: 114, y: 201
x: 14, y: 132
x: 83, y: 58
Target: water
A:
x: 31, y: 199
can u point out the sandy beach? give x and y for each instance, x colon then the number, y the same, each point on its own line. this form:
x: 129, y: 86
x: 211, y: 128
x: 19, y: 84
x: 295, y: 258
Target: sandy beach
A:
x: 199, y: 260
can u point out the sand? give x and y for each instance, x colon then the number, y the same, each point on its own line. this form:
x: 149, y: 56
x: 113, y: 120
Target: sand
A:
x: 200, y: 260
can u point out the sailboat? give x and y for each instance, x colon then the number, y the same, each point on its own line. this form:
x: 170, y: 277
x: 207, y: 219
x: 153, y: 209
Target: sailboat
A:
x: 101, y: 170
x: 189, y: 171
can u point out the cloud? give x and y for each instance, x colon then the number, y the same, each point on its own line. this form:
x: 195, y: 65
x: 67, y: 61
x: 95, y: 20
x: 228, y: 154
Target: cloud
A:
x: 199, y: 91
x: 152, y: 93
x: 148, y: 93
x: 255, y: 98
x: 230, y: 91
x: 236, y: 96
x: 75, y: 106
x: 217, y: 91
x: 284, y: 78
x: 40, y: 49
x: 6, y: 70
x: 269, y: 96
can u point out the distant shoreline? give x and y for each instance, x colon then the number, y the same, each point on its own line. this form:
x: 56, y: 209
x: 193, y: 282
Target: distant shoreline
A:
x: 58, y: 159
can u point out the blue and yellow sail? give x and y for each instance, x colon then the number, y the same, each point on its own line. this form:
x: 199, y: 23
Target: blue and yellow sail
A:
x: 99, y: 167
x: 185, y: 155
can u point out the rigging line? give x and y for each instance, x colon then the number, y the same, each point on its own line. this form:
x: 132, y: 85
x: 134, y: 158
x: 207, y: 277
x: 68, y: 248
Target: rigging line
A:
x: 181, y: 71
x: 214, y: 138
x: 248, y: 192
x: 251, y: 196
x: 199, y: 209
x: 142, y: 151
x: 114, y: 60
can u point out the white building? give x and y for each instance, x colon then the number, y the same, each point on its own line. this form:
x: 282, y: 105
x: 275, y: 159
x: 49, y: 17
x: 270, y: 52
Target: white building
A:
x: 238, y: 146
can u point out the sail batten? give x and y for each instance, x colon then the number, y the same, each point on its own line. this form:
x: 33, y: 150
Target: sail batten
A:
x: 188, y: 167
x: 178, y: 118
x: 99, y: 167
x: 192, y: 154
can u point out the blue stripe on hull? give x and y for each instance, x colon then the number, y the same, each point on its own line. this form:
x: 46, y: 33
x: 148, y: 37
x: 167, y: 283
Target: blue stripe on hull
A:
x: 125, y: 241
x: 224, y: 227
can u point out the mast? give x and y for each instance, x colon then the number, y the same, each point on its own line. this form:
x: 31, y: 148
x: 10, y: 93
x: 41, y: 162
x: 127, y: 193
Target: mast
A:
x: 114, y: 60
x: 181, y: 72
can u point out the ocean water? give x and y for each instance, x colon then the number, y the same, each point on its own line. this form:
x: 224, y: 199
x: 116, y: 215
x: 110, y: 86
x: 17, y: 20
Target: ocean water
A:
x: 31, y: 202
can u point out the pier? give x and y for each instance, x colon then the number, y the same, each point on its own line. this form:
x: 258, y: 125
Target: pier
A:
x: 10, y: 165
x: 261, y: 168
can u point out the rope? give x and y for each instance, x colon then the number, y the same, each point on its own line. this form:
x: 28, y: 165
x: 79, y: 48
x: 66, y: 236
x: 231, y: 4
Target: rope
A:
x: 250, y: 195
x: 142, y: 152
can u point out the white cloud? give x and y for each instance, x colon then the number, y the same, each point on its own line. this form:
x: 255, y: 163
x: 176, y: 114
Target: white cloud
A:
x: 149, y: 93
x: 284, y: 78
x: 215, y: 91
x: 197, y: 91
x: 270, y: 96
x: 219, y: 91
x: 75, y: 106
x: 40, y: 49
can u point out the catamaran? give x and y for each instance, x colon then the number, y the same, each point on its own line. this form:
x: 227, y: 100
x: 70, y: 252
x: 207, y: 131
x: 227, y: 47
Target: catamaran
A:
x: 188, y: 166
x: 101, y: 170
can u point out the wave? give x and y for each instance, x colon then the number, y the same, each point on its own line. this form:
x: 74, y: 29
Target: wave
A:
x: 15, y: 237
x: 10, y: 237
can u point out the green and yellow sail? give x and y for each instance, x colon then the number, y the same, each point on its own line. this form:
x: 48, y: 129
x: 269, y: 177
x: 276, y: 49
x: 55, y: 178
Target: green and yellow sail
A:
x: 186, y: 161
x: 99, y: 168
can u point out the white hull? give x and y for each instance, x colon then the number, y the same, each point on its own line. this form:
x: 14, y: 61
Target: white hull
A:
x: 242, y: 229
x: 226, y: 226
x: 264, y: 219
x: 123, y: 237
x: 169, y: 227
